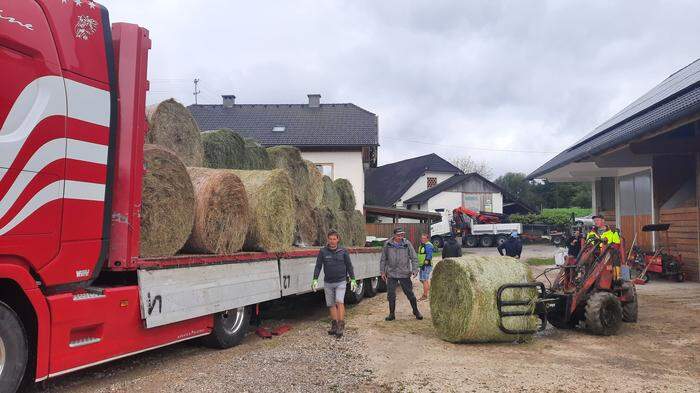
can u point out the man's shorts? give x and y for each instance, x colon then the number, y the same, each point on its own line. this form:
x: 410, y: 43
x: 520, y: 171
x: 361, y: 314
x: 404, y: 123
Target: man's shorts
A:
x: 335, y: 292
x: 425, y: 272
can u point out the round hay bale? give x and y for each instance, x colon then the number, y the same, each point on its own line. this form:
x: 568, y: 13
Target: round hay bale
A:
x: 167, y: 208
x: 271, y: 202
x: 326, y: 219
x: 222, y: 213
x: 347, y: 196
x: 355, y: 227
x: 171, y: 125
x: 223, y: 149
x: 315, y: 184
x: 463, y: 298
x: 256, y: 155
x: 330, y: 196
x: 289, y: 159
x: 306, y: 227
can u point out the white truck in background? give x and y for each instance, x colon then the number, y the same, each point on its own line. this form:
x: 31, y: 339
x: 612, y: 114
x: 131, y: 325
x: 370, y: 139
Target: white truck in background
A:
x: 470, y: 229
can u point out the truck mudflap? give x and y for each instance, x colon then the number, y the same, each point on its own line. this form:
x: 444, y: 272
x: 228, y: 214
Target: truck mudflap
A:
x: 174, y: 295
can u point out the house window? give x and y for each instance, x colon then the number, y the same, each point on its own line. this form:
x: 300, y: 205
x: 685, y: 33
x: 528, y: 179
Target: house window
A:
x: 325, y: 169
x: 432, y: 182
x: 279, y: 128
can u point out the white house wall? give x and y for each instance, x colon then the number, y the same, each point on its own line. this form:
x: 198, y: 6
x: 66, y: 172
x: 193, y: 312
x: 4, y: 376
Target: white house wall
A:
x: 346, y: 165
x: 421, y: 185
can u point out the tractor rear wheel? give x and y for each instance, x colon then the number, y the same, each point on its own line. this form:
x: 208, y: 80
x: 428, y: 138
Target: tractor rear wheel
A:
x: 603, y: 314
x: 631, y: 308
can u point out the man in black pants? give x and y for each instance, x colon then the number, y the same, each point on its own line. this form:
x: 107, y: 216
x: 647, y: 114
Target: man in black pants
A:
x: 398, y: 264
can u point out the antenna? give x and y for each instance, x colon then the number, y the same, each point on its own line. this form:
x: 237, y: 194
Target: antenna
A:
x: 196, y: 90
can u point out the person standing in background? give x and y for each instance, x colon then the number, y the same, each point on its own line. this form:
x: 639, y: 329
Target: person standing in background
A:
x: 397, y: 265
x: 513, y: 247
x: 425, y: 264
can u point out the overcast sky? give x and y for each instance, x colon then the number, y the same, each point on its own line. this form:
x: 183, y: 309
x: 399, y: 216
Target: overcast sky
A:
x: 524, y: 79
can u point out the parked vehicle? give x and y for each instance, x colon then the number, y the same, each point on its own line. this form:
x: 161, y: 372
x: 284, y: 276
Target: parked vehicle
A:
x: 74, y: 291
x: 474, y: 228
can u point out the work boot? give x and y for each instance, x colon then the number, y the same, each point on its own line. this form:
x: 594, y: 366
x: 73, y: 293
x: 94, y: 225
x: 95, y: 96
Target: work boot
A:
x: 334, y: 327
x: 340, y: 330
x: 418, y: 315
x: 390, y: 317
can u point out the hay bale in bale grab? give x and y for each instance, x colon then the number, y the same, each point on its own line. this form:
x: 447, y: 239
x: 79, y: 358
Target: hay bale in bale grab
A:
x: 222, y: 212
x: 289, y: 159
x: 271, y: 203
x: 463, y: 298
x: 167, y: 209
x: 227, y: 149
x: 330, y: 196
x: 171, y: 125
x: 345, y: 193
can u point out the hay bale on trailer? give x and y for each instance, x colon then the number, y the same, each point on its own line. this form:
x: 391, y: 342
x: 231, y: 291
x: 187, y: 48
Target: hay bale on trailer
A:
x: 305, y: 225
x: 346, y: 194
x: 167, y: 209
x: 289, y: 158
x: 171, y: 125
x: 256, y: 155
x: 222, y: 212
x: 326, y: 219
x: 315, y: 184
x: 463, y: 298
x: 272, y: 210
x: 226, y: 149
x: 355, y: 227
x: 330, y: 196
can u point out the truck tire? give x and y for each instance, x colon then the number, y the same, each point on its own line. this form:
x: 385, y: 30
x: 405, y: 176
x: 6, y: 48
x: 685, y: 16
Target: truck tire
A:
x: 372, y: 286
x: 486, y: 241
x: 354, y: 297
x: 631, y: 308
x: 500, y: 239
x: 230, y: 327
x: 603, y: 314
x: 14, y: 350
x: 470, y: 241
x: 438, y: 241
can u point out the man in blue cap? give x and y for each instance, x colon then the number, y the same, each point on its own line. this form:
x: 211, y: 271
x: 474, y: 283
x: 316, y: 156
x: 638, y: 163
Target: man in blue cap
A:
x: 513, y: 247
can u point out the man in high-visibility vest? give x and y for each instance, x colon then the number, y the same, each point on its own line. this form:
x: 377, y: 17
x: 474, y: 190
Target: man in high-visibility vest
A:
x: 425, y: 264
x: 601, y: 231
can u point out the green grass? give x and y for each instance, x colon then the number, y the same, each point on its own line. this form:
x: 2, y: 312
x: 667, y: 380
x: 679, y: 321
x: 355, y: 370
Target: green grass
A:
x: 578, y: 211
x: 540, y: 261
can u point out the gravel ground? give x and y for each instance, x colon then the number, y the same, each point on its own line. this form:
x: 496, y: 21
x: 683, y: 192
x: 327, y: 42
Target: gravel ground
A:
x: 658, y: 354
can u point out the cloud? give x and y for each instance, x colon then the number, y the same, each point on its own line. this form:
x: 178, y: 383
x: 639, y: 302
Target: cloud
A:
x: 450, y: 77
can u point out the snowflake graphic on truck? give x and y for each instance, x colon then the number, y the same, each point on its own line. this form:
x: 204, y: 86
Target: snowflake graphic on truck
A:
x: 85, y: 27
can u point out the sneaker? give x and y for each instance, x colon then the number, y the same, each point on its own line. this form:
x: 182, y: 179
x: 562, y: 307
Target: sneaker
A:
x: 390, y: 317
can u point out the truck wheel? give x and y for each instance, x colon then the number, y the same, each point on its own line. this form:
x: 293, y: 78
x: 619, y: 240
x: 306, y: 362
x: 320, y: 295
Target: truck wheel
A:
x: 470, y: 241
x: 371, y: 286
x: 13, y: 350
x: 354, y: 297
x: 486, y: 241
x: 603, y: 314
x: 437, y: 241
x: 631, y: 308
x: 230, y: 327
x: 500, y: 239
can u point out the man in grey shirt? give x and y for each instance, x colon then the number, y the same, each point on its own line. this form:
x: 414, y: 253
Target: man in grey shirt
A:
x: 398, y: 264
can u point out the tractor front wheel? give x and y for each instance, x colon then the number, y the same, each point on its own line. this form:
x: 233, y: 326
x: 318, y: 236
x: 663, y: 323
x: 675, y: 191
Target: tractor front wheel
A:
x: 630, y: 309
x: 603, y: 314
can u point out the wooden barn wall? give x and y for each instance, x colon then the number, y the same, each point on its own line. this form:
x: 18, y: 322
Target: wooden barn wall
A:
x: 683, y: 237
x: 413, y: 231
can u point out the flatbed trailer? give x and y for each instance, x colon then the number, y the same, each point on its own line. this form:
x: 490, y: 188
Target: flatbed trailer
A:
x: 74, y: 291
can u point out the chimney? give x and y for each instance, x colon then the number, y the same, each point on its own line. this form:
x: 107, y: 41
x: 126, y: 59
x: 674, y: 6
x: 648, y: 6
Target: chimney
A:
x: 229, y: 100
x: 314, y: 100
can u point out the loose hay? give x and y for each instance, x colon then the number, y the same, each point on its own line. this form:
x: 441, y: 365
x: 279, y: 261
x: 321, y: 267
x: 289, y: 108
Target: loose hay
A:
x: 347, y: 196
x: 330, y: 196
x: 171, y: 125
x: 222, y: 212
x: 463, y: 298
x: 167, y: 209
x: 227, y: 149
x: 272, y: 210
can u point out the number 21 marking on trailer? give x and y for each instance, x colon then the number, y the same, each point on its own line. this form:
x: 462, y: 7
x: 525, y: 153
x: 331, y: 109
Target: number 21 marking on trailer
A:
x: 286, y: 280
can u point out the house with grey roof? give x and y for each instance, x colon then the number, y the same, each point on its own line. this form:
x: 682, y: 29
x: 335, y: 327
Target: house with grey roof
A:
x: 341, y: 139
x: 644, y: 166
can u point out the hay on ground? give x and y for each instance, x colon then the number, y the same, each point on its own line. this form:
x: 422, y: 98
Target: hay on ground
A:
x: 463, y: 298
x: 222, y: 213
x: 315, y: 184
x: 346, y: 194
x: 171, y: 125
x: 167, y: 209
x: 330, y: 196
x: 271, y: 202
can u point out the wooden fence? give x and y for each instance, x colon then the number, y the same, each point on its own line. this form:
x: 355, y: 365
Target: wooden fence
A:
x: 413, y: 231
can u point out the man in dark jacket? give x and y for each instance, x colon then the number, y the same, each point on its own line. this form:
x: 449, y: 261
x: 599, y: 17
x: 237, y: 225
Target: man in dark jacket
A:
x: 450, y: 248
x: 337, y: 267
x: 513, y: 247
x: 398, y: 263
x: 573, y: 244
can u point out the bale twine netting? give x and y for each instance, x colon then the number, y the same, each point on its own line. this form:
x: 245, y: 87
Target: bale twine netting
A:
x: 330, y: 196
x: 167, y: 209
x: 271, y: 201
x: 345, y: 193
x: 463, y: 298
x: 222, y: 212
x: 171, y: 125
x: 289, y: 158
x: 227, y: 149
